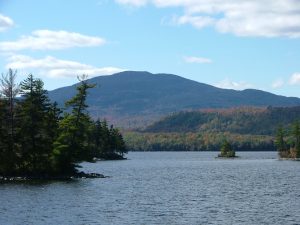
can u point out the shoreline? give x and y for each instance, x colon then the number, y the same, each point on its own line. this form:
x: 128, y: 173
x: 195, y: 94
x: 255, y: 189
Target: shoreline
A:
x: 224, y: 157
x: 63, y: 177
x: 289, y: 159
x: 79, y: 175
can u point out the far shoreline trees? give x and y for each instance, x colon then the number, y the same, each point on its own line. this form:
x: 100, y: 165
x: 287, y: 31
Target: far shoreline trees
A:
x: 197, y: 141
x: 38, y: 140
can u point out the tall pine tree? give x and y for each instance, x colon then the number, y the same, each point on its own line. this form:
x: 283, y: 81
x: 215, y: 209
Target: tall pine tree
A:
x: 71, y: 145
x: 34, y: 135
x: 296, y: 135
x: 280, y: 143
x: 8, y: 92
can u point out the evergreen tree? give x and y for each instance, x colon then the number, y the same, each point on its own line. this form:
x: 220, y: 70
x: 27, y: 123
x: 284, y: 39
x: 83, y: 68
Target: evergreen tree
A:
x: 6, y: 163
x: 227, y: 150
x: 97, y: 139
x: 34, y: 133
x: 71, y: 145
x: 8, y: 92
x: 280, y: 142
x: 79, y: 117
x: 53, y: 118
x: 296, y: 135
x: 108, y: 143
x: 116, y: 142
x: 106, y: 147
x: 35, y: 140
x: 121, y: 148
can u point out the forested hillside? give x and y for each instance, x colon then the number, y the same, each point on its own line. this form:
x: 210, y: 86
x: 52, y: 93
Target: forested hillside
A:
x: 256, y: 121
x: 247, y: 129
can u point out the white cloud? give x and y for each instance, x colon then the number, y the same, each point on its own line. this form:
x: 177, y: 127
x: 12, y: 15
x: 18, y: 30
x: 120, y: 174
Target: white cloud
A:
x: 192, y: 59
x: 295, y: 79
x: 262, y: 18
x: 5, y: 23
x: 51, y: 40
x: 137, y: 3
x: 196, y: 21
x: 229, y: 84
x: 57, y: 68
x: 278, y: 83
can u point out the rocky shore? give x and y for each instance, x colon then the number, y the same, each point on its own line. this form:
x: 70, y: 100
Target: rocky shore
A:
x: 79, y: 175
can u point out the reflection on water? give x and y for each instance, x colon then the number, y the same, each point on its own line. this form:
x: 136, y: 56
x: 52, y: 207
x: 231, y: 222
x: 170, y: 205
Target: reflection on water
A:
x: 164, y: 188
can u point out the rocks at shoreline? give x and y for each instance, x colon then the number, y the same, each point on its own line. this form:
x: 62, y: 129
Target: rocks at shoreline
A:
x: 227, y: 157
x: 78, y: 175
x: 291, y: 159
x: 65, y: 177
x: 88, y: 175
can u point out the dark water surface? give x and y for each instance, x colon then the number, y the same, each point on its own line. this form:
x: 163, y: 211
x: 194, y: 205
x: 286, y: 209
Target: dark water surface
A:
x: 164, y: 188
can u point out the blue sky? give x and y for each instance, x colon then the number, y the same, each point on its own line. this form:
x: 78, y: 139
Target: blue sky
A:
x: 234, y: 44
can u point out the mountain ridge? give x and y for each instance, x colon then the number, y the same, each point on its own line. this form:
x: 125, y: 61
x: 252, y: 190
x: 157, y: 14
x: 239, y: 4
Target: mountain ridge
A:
x: 136, y: 98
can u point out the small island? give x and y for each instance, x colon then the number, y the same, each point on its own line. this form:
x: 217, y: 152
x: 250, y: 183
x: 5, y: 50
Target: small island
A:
x: 40, y: 141
x: 227, y: 150
x: 288, y: 142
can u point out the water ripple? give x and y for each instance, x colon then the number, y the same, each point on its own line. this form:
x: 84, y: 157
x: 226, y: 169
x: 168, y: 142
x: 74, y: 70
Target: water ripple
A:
x: 164, y: 188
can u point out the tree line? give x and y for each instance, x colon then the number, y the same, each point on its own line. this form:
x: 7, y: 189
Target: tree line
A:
x: 196, y: 141
x: 38, y: 139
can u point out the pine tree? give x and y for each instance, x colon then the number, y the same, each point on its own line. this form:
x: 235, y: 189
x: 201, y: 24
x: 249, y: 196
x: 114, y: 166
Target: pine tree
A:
x: 35, y: 140
x: 227, y: 150
x: 53, y: 118
x: 121, y: 148
x: 72, y: 145
x: 280, y: 142
x: 296, y: 134
x: 8, y: 92
x: 97, y: 139
x: 106, y: 143
x: 5, y: 153
x: 34, y: 134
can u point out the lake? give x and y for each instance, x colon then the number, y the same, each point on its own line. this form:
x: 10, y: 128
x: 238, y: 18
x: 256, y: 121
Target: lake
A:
x: 164, y: 188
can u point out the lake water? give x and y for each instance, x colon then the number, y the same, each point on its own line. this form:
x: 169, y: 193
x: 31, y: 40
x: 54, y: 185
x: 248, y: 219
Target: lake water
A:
x: 164, y: 188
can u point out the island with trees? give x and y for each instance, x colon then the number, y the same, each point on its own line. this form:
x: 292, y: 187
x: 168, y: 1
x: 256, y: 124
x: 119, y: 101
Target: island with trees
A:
x: 40, y: 141
x: 288, y: 141
x: 227, y: 150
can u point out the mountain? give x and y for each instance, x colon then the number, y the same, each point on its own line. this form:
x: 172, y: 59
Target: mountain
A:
x: 132, y: 99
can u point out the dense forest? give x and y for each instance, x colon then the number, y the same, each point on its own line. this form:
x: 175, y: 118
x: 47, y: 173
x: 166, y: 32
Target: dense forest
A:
x: 247, y: 129
x: 38, y: 140
x: 245, y: 120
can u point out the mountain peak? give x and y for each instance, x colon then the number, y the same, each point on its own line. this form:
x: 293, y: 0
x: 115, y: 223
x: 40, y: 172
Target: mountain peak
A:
x: 132, y: 97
